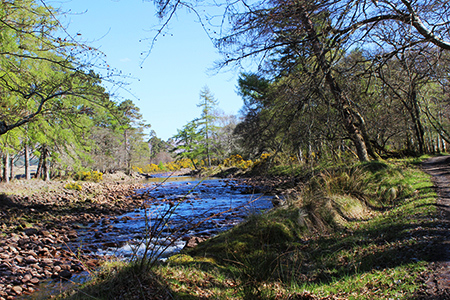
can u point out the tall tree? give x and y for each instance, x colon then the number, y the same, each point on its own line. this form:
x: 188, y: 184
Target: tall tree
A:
x: 131, y: 125
x: 188, y: 143
x: 320, y: 30
x: 207, y: 120
x: 40, y: 68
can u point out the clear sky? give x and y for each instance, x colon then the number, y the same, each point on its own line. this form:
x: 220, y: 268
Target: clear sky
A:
x: 171, y: 78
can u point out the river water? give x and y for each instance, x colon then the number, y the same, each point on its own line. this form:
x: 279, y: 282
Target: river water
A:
x: 175, y: 209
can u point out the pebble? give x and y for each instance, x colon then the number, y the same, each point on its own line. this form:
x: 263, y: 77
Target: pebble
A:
x: 31, y: 254
x: 17, y: 289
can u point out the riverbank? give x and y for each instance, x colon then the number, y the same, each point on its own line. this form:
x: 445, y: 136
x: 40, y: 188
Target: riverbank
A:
x: 39, y: 221
x: 51, y: 232
x: 353, y: 232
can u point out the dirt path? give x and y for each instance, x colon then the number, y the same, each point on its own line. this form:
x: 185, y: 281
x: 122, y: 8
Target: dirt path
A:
x: 438, y: 280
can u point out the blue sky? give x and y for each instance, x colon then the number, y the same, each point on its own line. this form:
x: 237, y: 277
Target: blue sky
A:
x: 171, y: 77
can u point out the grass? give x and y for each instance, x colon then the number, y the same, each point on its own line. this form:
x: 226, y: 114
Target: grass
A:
x: 361, y: 232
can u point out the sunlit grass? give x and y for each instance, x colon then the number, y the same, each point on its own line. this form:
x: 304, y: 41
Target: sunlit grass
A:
x: 356, y: 232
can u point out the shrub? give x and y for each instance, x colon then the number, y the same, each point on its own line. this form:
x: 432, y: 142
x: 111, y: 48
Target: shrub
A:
x: 94, y: 176
x: 237, y: 161
x: 73, y: 186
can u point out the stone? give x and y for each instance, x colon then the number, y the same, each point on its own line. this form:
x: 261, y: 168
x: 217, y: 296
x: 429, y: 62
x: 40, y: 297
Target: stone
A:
x: 72, y: 234
x: 19, y: 259
x: 65, y: 274
x: 194, y: 241
x: 17, y: 289
x: 26, y: 278
x: 30, y: 260
x: 57, y: 269
x: 30, y: 231
x: 23, y: 242
x: 46, y: 233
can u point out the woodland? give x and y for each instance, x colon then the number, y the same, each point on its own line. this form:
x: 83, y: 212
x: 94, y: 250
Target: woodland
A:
x: 343, y: 102
x: 335, y: 80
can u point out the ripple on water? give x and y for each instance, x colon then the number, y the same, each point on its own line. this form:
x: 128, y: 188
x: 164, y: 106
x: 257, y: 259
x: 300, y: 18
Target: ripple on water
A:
x: 223, y: 202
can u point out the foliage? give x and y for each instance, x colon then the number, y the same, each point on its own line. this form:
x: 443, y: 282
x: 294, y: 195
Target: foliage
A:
x: 209, y: 139
x: 94, y: 176
x: 53, y: 98
x: 237, y: 161
x: 162, y: 167
x: 73, y: 186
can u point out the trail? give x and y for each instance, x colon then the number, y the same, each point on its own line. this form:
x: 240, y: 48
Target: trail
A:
x: 438, y: 279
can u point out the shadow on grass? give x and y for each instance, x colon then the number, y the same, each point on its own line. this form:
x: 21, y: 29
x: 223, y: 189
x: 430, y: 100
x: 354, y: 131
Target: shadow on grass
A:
x: 405, y: 236
x: 121, y: 282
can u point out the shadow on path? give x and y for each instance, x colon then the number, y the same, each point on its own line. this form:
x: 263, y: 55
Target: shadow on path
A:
x: 438, y: 281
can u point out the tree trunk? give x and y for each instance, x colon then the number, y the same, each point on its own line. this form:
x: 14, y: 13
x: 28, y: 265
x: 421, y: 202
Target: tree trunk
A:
x: 42, y: 169
x: 352, y: 120
x: 27, y: 162
x: 418, y: 127
x: 39, y: 168
x: 45, y: 164
x: 11, y: 166
x: 193, y: 163
x: 207, y: 149
x: 127, y: 153
x: 6, y: 167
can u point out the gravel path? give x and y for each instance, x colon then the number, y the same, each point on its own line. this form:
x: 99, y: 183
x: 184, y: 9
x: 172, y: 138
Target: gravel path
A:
x: 438, y: 280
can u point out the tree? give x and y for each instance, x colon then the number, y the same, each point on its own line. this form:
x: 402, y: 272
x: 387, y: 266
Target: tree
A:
x: 129, y: 118
x: 188, y: 142
x: 319, y: 31
x: 206, y: 121
x: 159, y: 149
x: 226, y: 143
x: 39, y: 69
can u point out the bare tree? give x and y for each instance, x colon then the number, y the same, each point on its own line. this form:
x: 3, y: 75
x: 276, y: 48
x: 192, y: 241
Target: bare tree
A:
x: 323, y: 30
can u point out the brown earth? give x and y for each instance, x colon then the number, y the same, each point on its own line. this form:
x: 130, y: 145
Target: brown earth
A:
x: 438, y: 278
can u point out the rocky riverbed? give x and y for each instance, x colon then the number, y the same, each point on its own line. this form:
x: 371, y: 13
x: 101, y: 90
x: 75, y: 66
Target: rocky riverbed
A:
x: 39, y: 232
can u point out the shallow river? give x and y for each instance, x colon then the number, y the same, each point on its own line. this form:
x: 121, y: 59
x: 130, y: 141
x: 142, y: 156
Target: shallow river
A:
x: 176, y: 209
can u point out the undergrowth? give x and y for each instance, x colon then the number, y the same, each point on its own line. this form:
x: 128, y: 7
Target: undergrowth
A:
x: 359, y: 232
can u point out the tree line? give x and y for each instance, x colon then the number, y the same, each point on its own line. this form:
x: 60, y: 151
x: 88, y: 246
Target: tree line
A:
x: 367, y: 79
x: 335, y: 80
x: 54, y: 108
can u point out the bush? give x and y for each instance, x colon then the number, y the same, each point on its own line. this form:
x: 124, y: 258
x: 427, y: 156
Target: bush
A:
x: 94, y: 176
x: 73, y: 186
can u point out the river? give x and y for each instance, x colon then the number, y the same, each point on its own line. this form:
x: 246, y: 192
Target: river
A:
x: 175, y: 210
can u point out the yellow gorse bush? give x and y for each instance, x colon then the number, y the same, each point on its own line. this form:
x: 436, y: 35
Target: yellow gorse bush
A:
x: 73, y: 186
x: 171, y: 166
x: 237, y: 161
x: 94, y: 176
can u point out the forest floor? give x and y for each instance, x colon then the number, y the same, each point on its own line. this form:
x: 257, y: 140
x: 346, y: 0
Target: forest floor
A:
x: 438, y: 281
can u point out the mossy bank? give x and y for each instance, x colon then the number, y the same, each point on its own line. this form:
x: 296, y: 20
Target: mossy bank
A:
x: 367, y: 231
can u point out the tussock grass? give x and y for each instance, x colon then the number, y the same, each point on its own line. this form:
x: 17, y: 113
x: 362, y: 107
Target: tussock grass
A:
x: 118, y: 280
x: 359, y: 232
